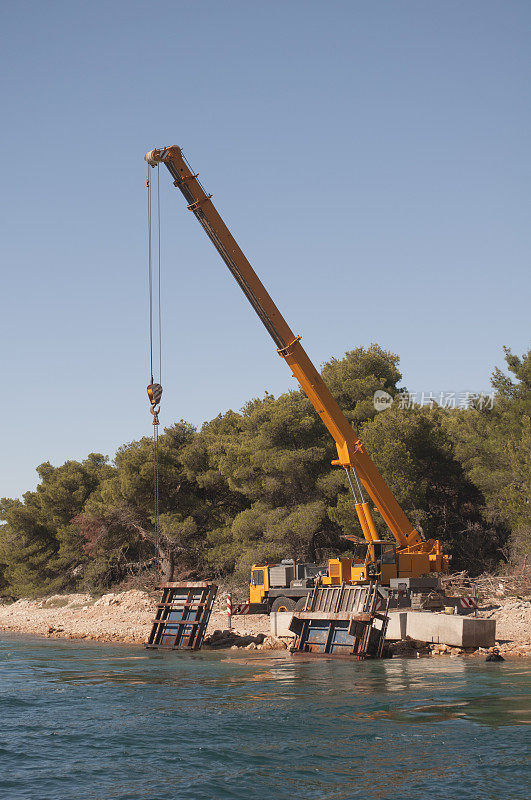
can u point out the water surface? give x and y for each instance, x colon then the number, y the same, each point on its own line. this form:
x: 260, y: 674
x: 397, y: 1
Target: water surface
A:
x: 97, y: 722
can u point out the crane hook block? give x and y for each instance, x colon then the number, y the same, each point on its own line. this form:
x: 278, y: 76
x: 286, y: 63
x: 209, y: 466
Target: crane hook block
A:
x: 154, y: 391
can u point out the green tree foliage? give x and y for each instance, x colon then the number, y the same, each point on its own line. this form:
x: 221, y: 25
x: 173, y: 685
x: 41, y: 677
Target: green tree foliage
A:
x: 275, y: 455
x: 354, y: 379
x: 494, y: 446
x: 416, y: 456
x: 258, y: 485
x: 39, y: 545
x: 271, y: 459
x: 118, y: 520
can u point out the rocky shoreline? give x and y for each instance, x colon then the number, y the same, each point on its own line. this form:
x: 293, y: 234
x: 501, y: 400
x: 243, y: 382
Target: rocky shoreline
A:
x: 126, y: 617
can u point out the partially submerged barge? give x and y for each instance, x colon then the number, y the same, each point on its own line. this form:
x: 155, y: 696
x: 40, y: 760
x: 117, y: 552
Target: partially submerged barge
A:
x: 348, y: 621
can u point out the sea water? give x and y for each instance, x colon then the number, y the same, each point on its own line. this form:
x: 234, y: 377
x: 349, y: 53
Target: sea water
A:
x: 82, y: 721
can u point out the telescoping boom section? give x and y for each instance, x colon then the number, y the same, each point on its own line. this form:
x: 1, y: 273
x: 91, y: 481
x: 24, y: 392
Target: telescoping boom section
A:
x: 352, y: 456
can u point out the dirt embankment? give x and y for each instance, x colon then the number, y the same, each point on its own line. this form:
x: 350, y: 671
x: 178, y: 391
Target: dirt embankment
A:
x: 115, y: 617
x: 127, y: 616
x: 513, y: 623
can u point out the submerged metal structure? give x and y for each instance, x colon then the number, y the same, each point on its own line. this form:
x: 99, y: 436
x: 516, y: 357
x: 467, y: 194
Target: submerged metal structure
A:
x: 346, y: 621
x: 182, y: 616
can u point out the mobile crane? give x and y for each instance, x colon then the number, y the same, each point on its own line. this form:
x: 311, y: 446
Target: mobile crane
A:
x: 410, y: 556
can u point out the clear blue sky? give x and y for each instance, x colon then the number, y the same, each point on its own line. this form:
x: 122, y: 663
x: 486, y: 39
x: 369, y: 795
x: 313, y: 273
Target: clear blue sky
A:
x: 372, y: 159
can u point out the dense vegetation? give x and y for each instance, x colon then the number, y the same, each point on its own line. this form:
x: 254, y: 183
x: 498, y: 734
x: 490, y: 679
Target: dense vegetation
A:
x: 258, y: 485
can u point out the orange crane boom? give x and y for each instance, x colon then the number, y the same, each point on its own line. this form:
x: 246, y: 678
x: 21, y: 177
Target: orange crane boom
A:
x: 351, y: 453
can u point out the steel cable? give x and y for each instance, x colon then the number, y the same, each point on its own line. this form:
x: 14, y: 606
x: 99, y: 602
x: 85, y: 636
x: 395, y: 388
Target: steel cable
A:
x: 150, y: 276
x: 150, y: 280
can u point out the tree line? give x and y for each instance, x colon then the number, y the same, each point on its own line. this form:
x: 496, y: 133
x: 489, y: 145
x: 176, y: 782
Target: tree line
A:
x: 257, y: 485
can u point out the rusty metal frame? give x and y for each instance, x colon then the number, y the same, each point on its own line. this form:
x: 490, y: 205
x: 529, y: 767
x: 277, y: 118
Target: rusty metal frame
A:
x: 182, y: 616
x: 338, y: 621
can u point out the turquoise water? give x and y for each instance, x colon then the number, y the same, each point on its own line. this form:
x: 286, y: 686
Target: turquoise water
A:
x: 84, y: 721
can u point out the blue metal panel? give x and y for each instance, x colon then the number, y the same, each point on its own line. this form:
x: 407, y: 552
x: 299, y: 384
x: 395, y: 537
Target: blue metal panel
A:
x: 341, y: 641
x: 317, y: 635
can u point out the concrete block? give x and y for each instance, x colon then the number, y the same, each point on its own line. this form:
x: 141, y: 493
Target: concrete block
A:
x: 279, y: 622
x: 449, y: 629
x: 397, y: 625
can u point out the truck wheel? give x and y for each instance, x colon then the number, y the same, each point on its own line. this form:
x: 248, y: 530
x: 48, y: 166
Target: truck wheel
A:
x: 300, y: 604
x: 283, y: 604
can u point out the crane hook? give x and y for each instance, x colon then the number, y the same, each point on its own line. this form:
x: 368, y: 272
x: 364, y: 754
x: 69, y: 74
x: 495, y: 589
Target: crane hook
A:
x: 154, y: 391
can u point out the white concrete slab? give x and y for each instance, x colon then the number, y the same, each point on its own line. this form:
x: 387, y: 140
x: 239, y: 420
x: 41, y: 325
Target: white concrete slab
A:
x: 397, y: 625
x: 279, y: 622
x: 426, y: 626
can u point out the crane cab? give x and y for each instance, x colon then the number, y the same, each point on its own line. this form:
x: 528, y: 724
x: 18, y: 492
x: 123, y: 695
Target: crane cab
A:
x: 383, y: 561
x: 259, y: 583
x: 380, y: 563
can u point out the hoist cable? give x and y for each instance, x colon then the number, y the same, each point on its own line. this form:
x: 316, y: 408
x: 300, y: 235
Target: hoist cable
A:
x: 150, y: 276
x: 155, y: 420
x: 154, y: 390
x: 159, y: 280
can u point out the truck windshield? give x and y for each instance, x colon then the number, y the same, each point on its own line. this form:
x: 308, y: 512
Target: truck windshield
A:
x: 311, y: 571
x: 258, y: 577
